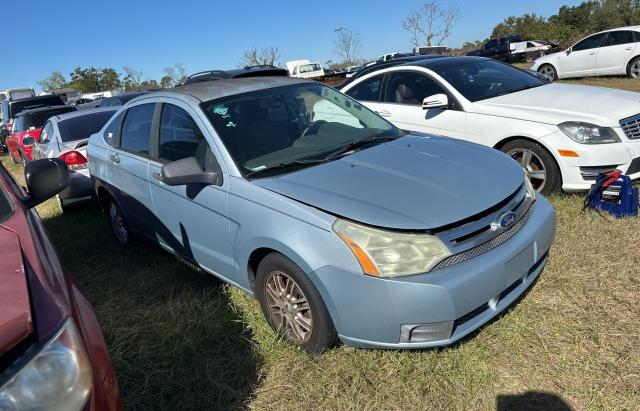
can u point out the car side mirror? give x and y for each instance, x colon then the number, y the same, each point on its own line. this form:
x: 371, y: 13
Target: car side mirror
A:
x: 435, y: 101
x: 569, y: 50
x: 28, y: 141
x: 45, y: 178
x: 189, y: 171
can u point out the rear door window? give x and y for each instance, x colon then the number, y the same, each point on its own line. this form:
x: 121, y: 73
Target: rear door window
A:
x: 368, y: 90
x: 616, y: 38
x: 136, y: 129
x: 47, y: 133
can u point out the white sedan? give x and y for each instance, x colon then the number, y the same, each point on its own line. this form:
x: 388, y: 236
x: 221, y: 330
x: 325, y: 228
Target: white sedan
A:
x: 563, y: 135
x: 611, y: 52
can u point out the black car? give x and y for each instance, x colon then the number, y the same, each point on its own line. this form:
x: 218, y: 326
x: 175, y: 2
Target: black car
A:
x: 248, y: 71
x: 366, y: 69
x: 498, y: 49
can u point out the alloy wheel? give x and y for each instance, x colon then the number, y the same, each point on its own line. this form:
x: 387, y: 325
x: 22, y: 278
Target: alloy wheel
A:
x: 548, y: 72
x: 634, y: 70
x: 288, y: 307
x: 532, y: 166
x: 118, y: 223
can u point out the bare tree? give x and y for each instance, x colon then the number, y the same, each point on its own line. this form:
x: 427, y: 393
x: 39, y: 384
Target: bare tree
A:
x: 266, y: 56
x: 132, y: 78
x: 173, y: 75
x: 431, y: 23
x: 347, y: 45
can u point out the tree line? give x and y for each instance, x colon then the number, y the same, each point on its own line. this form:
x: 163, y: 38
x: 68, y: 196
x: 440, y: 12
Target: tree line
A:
x: 92, y: 79
x: 571, y: 23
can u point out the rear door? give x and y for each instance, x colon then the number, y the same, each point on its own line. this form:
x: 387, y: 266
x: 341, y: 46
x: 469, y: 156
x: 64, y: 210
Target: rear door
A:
x: 402, y: 99
x: 617, y: 49
x: 128, y: 167
x: 581, y: 61
x: 192, y: 219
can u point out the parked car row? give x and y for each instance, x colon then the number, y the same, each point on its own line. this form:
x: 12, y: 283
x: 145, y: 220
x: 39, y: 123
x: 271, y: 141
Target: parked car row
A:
x: 388, y: 212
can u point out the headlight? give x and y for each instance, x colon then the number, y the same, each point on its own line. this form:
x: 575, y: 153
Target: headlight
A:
x: 387, y: 253
x: 56, y: 378
x: 531, y: 192
x: 585, y: 133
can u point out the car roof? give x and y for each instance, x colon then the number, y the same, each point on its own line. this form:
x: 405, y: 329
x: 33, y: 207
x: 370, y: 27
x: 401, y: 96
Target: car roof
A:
x: 248, y: 71
x: 210, y: 90
x: 80, y: 113
x: 40, y: 109
x: 34, y: 99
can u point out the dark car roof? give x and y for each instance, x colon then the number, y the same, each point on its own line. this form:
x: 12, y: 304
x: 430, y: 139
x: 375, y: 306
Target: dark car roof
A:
x: 445, y: 62
x: 48, y: 108
x: 248, y: 71
x: 209, y: 90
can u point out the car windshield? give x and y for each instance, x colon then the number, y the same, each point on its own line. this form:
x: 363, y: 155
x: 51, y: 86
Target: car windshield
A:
x: 81, y: 127
x: 268, y: 128
x: 480, y: 80
x: 308, y: 68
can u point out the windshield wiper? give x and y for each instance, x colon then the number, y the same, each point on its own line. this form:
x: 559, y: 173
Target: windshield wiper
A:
x: 329, y: 157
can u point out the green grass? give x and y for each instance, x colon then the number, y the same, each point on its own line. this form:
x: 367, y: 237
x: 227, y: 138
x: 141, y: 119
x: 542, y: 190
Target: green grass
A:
x: 179, y: 339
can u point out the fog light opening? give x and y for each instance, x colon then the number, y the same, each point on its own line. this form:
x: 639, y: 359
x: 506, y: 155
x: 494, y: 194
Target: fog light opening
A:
x: 421, y: 333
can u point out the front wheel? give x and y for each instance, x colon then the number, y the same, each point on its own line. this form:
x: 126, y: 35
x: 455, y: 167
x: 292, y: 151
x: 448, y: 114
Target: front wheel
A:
x: 538, y: 164
x: 292, y: 305
x: 549, y: 72
x: 633, y: 71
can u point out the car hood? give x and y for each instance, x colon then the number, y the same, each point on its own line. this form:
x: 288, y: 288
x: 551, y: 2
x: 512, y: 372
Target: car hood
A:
x: 15, y: 311
x: 412, y: 183
x: 556, y: 103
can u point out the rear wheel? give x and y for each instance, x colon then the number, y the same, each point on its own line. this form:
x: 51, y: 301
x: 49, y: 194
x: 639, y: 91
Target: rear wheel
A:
x: 633, y: 71
x: 292, y: 305
x: 538, y: 164
x: 118, y: 223
x: 549, y: 72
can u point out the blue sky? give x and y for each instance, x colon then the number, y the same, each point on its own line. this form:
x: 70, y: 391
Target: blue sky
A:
x: 64, y: 34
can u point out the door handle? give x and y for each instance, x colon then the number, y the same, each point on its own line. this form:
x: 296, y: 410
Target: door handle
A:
x: 384, y: 113
x: 114, y: 158
x: 592, y: 54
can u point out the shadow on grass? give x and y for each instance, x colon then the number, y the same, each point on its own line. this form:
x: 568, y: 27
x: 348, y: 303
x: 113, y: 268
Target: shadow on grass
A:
x: 531, y: 400
x: 175, y: 340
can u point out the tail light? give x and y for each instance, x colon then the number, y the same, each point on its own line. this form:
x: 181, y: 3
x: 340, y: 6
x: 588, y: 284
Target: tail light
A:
x: 74, y: 160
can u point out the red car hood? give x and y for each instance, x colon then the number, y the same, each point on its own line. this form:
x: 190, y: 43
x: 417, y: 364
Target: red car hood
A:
x: 15, y: 311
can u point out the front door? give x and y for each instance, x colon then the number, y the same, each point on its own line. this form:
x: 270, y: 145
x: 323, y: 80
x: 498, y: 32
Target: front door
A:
x: 402, y: 100
x: 192, y: 219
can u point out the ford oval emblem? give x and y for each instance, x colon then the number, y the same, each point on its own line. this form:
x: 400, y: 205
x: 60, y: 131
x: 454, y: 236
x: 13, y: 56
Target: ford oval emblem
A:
x: 505, y: 220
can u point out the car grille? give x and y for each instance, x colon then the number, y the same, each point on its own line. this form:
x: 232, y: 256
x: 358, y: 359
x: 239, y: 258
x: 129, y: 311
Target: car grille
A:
x: 631, y: 127
x: 478, y: 234
x: 634, y: 167
x: 485, y: 247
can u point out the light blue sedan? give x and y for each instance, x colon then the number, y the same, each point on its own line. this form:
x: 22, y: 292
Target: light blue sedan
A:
x: 340, y: 224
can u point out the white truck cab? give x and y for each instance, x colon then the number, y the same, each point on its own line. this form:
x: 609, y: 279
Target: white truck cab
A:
x: 304, y: 69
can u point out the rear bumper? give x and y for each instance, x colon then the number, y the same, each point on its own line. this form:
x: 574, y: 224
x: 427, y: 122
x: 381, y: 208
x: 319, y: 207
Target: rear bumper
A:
x: 370, y: 312
x: 80, y: 188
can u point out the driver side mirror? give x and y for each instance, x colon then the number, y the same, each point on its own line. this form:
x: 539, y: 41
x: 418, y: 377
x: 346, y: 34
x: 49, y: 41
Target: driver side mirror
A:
x: 189, y: 171
x: 436, y: 101
x: 45, y: 178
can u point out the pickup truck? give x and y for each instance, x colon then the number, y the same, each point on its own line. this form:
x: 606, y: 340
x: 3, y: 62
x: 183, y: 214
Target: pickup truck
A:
x: 499, y: 49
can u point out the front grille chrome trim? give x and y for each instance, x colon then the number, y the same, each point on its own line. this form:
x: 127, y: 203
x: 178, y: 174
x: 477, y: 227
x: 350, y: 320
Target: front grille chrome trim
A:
x: 631, y: 127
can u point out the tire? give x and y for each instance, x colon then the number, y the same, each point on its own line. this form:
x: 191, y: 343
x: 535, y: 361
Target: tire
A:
x: 633, y: 69
x: 539, y: 165
x: 117, y: 222
x: 276, y: 275
x: 549, y: 72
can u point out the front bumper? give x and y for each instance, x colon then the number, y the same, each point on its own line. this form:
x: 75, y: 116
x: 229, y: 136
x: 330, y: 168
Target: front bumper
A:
x: 80, y: 188
x: 577, y: 172
x: 369, y: 311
